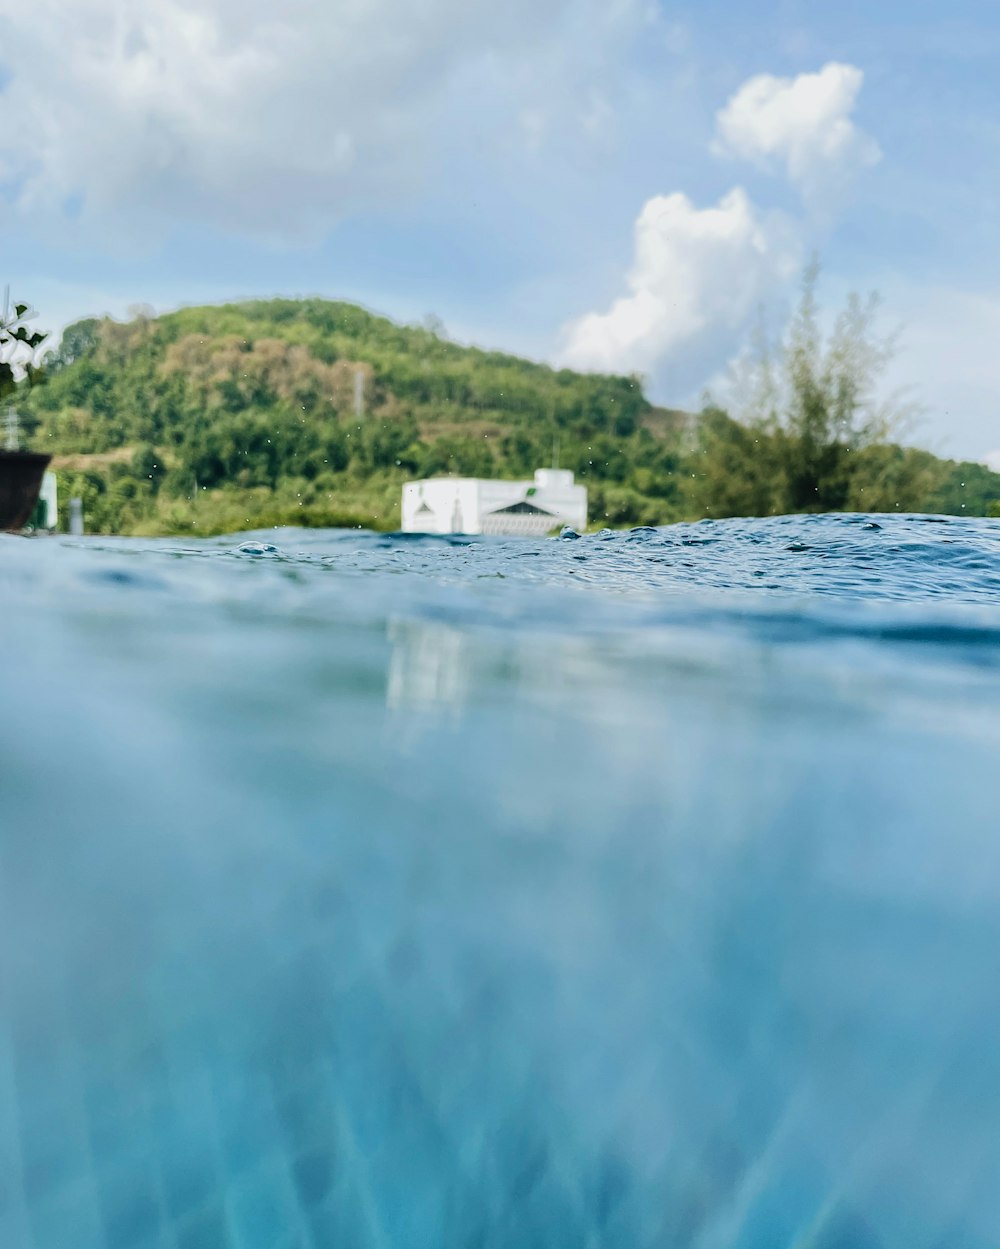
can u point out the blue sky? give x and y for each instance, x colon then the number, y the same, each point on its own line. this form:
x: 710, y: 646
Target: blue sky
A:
x: 618, y: 184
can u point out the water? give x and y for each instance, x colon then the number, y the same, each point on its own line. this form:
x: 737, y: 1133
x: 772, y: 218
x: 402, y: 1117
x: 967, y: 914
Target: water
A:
x: 625, y: 890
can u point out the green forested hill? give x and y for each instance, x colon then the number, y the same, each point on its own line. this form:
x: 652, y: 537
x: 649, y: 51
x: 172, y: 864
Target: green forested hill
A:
x: 221, y: 418
x: 244, y: 414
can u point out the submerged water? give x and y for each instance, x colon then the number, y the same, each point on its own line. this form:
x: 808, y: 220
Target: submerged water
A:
x: 625, y: 890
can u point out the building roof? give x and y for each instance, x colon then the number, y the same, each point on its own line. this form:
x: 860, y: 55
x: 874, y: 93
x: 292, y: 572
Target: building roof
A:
x: 523, y: 508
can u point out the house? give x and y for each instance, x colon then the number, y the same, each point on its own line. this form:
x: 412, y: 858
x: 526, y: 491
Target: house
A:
x: 514, y: 508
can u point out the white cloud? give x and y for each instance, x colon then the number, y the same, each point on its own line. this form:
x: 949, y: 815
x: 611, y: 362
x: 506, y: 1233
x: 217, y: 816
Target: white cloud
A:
x: 697, y: 277
x: 267, y: 119
x: 801, y: 125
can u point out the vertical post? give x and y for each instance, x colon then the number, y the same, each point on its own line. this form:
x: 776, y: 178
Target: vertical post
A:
x: 359, y: 393
x: 11, y: 439
x: 50, y: 498
x: 76, y: 517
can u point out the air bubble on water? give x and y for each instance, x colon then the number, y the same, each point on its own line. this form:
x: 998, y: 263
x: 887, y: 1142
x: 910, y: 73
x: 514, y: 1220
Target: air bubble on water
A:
x: 256, y: 548
x: 567, y: 532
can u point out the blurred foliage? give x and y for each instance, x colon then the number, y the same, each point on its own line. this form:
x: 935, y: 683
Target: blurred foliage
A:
x: 216, y: 419
x: 19, y: 347
x: 814, y: 431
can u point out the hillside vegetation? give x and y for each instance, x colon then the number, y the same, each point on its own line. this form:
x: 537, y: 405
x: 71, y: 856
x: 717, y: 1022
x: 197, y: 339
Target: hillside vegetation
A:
x: 222, y: 418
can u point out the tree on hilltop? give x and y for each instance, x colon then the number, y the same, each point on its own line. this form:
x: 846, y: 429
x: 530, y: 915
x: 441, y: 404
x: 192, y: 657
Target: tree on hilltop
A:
x: 810, y: 412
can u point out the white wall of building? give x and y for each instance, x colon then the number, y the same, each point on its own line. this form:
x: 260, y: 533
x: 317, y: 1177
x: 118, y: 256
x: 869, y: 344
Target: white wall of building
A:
x: 471, y: 505
x: 441, y: 505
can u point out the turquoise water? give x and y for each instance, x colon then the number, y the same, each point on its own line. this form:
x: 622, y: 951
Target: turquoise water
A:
x: 621, y: 890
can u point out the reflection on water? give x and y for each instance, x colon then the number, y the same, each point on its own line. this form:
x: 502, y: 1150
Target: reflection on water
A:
x: 426, y: 668
x: 679, y: 927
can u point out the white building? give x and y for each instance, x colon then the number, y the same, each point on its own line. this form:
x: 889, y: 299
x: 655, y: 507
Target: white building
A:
x: 471, y: 505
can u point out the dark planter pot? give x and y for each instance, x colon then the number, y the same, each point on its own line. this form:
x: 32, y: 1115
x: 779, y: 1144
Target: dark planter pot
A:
x: 20, y: 481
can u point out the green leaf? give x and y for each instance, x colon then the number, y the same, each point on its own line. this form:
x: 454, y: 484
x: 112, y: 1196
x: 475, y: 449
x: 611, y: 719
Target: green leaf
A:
x: 20, y: 309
